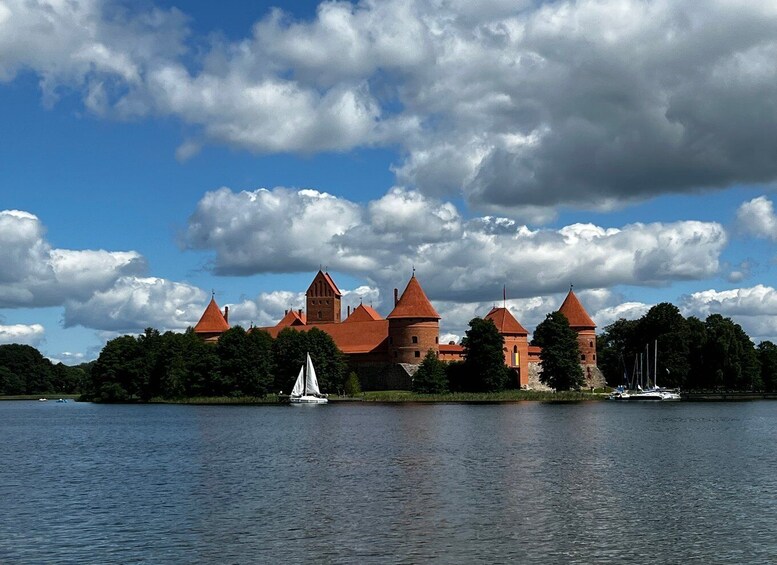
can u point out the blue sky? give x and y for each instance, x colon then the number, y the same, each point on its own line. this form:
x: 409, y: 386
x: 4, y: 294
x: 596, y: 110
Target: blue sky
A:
x: 153, y: 152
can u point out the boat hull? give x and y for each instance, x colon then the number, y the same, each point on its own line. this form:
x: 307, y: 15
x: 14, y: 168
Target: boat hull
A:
x: 307, y: 399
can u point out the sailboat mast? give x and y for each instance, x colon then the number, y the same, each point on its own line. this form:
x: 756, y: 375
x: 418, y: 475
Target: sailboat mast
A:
x: 655, y: 364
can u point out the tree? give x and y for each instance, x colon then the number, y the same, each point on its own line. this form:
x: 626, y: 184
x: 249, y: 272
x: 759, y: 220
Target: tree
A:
x: 560, y: 354
x: 664, y: 324
x: 729, y: 355
x: 289, y: 352
x: 430, y: 376
x: 246, y: 362
x: 767, y: 355
x: 484, y: 361
x: 614, y: 347
x: 116, y: 373
x: 29, y: 367
x: 352, y: 385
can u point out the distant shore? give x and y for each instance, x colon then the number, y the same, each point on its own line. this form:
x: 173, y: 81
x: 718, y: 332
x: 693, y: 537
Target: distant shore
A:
x: 408, y: 397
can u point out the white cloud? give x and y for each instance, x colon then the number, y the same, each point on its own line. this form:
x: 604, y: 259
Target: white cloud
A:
x: 754, y: 308
x: 297, y: 231
x: 757, y: 218
x: 34, y: 274
x: 133, y: 304
x: 31, y: 334
x: 518, y: 106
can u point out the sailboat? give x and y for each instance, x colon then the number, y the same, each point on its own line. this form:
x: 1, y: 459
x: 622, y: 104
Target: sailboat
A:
x: 654, y: 393
x: 305, y: 389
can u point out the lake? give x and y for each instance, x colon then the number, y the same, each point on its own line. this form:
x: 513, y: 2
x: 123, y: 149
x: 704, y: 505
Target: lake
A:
x: 528, y: 482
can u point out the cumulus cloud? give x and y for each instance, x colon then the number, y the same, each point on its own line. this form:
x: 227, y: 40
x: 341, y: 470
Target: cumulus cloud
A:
x: 518, y: 106
x: 31, y: 334
x: 135, y: 303
x: 34, y: 274
x: 458, y: 260
x: 754, y: 308
x: 757, y: 218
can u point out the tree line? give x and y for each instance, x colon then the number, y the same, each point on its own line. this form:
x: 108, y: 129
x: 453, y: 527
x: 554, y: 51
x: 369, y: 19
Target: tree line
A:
x: 23, y: 370
x: 181, y: 365
x: 714, y: 354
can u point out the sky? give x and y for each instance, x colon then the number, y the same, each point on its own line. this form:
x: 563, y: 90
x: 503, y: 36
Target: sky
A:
x: 153, y: 154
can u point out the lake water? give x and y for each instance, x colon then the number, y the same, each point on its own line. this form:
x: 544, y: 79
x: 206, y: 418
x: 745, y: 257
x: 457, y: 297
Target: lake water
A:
x: 354, y: 483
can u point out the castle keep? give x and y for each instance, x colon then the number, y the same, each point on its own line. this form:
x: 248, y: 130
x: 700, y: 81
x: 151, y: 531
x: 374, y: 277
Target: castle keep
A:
x: 386, y: 351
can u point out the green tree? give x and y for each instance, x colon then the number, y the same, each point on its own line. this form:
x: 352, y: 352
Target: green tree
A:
x: 560, y: 354
x: 767, y: 355
x: 116, y: 375
x: 614, y: 349
x: 664, y: 324
x: 352, y: 385
x: 29, y: 366
x: 430, y: 376
x: 245, y: 362
x: 697, y: 378
x: 289, y: 352
x: 729, y: 355
x: 484, y: 361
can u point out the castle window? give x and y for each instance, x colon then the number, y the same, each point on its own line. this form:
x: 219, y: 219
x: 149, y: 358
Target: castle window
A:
x: 594, y: 357
x: 582, y: 357
x: 417, y: 353
x: 436, y: 339
x: 415, y: 339
x: 391, y: 340
x: 327, y: 302
x: 319, y: 314
x: 515, y: 349
x: 590, y: 344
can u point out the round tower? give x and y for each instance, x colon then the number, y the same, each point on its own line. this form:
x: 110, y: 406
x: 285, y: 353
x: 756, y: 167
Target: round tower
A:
x: 414, y: 326
x: 581, y: 322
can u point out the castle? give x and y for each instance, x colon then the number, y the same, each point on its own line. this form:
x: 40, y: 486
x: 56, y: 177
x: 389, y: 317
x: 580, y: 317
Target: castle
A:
x: 386, y: 351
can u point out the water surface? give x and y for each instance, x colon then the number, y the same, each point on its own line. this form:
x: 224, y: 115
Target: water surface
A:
x: 525, y: 482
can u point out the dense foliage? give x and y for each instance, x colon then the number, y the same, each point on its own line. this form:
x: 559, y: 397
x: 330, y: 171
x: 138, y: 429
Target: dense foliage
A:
x: 484, y: 368
x: 23, y: 370
x: 560, y: 354
x: 174, y: 365
x: 714, y: 354
x: 430, y: 377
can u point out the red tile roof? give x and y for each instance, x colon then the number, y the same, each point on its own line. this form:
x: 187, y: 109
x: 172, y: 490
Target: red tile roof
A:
x: 451, y: 348
x: 362, y: 314
x: 327, y: 280
x: 212, y: 320
x: 355, y: 337
x: 414, y: 303
x: 292, y: 318
x: 505, y: 322
x: 575, y: 313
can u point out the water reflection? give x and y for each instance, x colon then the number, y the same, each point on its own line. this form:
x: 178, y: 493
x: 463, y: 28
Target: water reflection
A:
x: 355, y: 483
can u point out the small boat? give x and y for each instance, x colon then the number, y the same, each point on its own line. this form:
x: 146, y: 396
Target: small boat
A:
x: 43, y: 400
x: 305, y: 389
x: 62, y: 400
x: 652, y: 394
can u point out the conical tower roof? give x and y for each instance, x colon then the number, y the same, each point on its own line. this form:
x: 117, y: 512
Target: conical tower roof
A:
x: 575, y: 313
x: 413, y: 303
x: 212, y: 320
x: 505, y: 322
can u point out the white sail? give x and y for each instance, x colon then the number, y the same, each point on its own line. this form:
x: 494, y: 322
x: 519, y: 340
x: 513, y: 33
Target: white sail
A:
x: 299, y: 384
x: 311, y: 384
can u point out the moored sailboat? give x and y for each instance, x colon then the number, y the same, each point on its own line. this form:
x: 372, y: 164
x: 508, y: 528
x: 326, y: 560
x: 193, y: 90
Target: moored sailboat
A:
x: 306, y: 389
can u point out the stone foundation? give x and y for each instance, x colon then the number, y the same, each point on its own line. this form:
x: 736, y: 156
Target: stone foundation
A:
x: 594, y: 378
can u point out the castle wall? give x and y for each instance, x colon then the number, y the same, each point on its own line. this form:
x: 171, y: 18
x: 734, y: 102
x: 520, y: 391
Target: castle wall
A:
x: 411, y: 338
x: 516, y: 350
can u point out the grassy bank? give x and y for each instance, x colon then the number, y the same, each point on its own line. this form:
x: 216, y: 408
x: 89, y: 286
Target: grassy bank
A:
x: 478, y: 397
x: 51, y: 396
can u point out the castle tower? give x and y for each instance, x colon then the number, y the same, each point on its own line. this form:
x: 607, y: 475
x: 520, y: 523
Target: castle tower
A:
x: 212, y: 323
x: 323, y: 300
x: 516, y: 347
x: 581, y: 322
x: 414, y: 326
